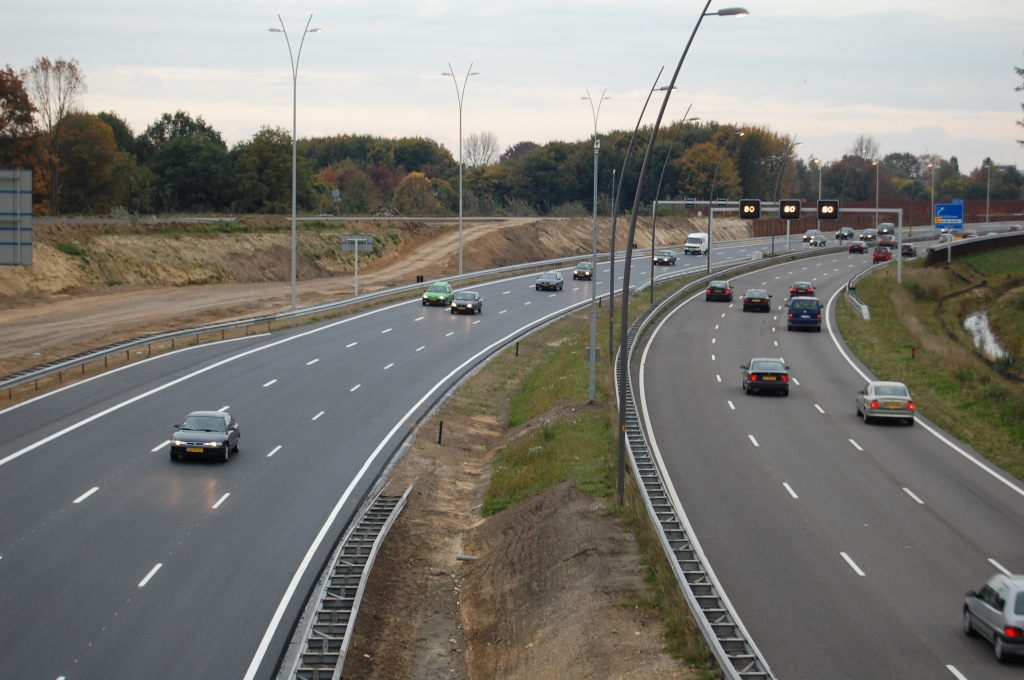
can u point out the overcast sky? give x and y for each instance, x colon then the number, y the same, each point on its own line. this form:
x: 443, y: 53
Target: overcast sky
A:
x: 917, y: 75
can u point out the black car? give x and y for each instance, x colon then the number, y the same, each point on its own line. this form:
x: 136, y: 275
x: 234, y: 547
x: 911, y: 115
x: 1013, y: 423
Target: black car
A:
x: 887, y: 240
x: 802, y: 288
x: 845, y: 234
x: 766, y: 375
x: 908, y: 250
x: 858, y: 247
x: 869, y: 235
x: 718, y: 290
x: 886, y: 228
x: 757, y: 299
x: 206, y: 434
x: 467, y: 301
x: 810, y: 233
x: 665, y: 257
x: 583, y: 270
x: 549, y: 281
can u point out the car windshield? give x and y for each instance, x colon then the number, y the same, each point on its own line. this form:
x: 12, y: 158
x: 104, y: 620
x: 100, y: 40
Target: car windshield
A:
x: 664, y: 253
x: 438, y: 288
x: 801, y: 284
x: 584, y: 265
x: 465, y: 296
x: 803, y: 304
x: 765, y: 365
x: 881, y: 250
x: 869, y: 231
x: 719, y: 284
x: 547, y: 277
x: 1018, y: 608
x: 891, y: 391
x: 757, y: 293
x: 694, y: 239
x: 204, y: 424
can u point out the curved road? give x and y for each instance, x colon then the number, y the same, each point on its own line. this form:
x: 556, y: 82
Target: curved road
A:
x: 845, y: 548
x: 117, y: 563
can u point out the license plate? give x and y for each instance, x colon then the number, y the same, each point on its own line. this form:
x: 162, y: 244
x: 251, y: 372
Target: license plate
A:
x: 894, y: 404
x: 770, y: 377
x: 805, y: 316
x: 756, y: 300
x: 194, y: 450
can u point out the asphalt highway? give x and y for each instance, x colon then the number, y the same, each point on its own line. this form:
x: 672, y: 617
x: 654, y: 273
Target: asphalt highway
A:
x: 117, y: 563
x: 845, y: 548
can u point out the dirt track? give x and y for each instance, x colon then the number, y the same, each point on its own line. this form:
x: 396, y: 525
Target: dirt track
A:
x: 130, y: 284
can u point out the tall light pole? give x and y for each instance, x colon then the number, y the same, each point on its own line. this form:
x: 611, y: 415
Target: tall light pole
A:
x: 295, y: 86
x: 592, y: 350
x: 878, y: 171
x: 775, y: 195
x: 711, y: 194
x: 931, y: 215
x: 461, y: 94
x: 615, y: 216
x: 988, y: 187
x: 657, y: 192
x: 623, y: 324
x: 817, y: 161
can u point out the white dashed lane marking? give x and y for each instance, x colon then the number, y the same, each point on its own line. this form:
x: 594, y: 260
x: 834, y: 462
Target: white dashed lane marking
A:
x: 310, y: 363
x: 150, y: 575
x: 276, y: 449
x: 732, y: 406
x: 356, y: 387
x: 820, y: 409
x: 222, y: 499
x: 506, y: 292
x: 86, y: 494
x: 351, y: 344
x: 476, y: 322
x: 388, y: 366
x: 270, y: 383
x: 913, y: 495
x: 796, y: 382
x: 421, y: 348
x: 419, y: 318
x: 719, y: 378
x: 160, y: 446
x: 1000, y: 567
x: 529, y: 303
x: 502, y: 311
x: 712, y: 357
x: 449, y: 334
x: 853, y: 564
x: 318, y: 415
x: 753, y: 441
x: 856, y: 445
x: 386, y: 330
x: 790, y: 490
x: 222, y: 409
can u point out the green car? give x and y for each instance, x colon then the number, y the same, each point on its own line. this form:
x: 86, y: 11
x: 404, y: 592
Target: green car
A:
x: 439, y: 293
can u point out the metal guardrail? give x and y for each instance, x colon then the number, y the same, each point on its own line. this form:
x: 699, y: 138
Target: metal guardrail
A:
x: 328, y: 633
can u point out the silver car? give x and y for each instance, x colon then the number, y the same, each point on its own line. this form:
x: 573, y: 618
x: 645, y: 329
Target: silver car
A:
x: 880, y: 399
x: 997, y: 613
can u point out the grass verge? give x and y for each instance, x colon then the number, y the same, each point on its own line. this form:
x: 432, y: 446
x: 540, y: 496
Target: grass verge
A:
x: 951, y: 386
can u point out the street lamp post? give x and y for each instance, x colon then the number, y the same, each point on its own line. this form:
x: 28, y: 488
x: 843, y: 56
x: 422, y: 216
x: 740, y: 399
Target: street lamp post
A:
x: 657, y: 193
x: 461, y: 95
x: 592, y: 350
x: 623, y: 324
x: 615, y: 214
x: 988, y: 187
x: 817, y: 161
x: 931, y: 215
x: 878, y: 171
x: 711, y: 195
x: 295, y: 86
x: 775, y: 196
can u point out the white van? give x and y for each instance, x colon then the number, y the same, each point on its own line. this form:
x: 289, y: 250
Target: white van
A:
x: 696, y: 244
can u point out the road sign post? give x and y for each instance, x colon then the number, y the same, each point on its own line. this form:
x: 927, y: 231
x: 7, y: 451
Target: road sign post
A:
x: 356, y: 243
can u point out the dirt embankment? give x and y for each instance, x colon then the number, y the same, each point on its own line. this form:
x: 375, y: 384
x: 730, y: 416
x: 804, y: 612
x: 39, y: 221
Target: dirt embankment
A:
x: 92, y: 285
x: 556, y: 590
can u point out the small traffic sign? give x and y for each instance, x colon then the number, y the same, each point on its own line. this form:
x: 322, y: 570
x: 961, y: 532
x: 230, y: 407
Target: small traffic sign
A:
x: 789, y: 209
x: 828, y: 210
x: 949, y: 215
x: 750, y: 209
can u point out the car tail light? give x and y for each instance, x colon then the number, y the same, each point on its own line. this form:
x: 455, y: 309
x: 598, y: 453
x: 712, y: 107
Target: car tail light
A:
x: 874, y: 404
x: 791, y: 315
x: 1013, y: 632
x: 728, y: 291
x: 785, y: 378
x: 819, y: 315
x: 746, y: 299
x: 810, y: 290
x: 910, y: 405
x: 753, y: 378
x: 792, y: 290
x: 708, y: 291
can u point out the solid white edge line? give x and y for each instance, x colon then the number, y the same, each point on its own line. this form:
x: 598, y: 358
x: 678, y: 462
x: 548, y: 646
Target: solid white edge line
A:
x: 852, y: 564
x: 913, y: 495
x: 820, y: 409
x: 86, y: 494
x: 855, y: 445
x: 952, y: 669
x: 753, y: 441
x: 1000, y: 567
x: 222, y: 499
x: 150, y: 575
x: 124, y: 368
x: 275, y: 621
x: 670, y: 487
x: 160, y: 446
x: 790, y: 490
x: 938, y: 435
x: 318, y: 415
x: 276, y: 449
x: 270, y: 383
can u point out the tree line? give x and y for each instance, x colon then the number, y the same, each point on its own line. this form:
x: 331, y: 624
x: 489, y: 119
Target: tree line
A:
x: 95, y: 163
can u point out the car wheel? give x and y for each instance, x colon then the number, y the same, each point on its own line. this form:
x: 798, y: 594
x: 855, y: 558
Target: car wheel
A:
x: 785, y: 393
x: 818, y: 329
x: 227, y: 453
x: 866, y: 418
x: 538, y: 287
x: 707, y: 298
x: 968, y: 623
x: 453, y: 311
x: 1001, y: 655
x: 559, y: 286
x: 910, y: 422
x: 788, y: 327
x: 174, y: 456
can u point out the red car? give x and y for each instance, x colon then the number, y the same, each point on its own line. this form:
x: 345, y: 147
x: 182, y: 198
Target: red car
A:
x: 880, y: 254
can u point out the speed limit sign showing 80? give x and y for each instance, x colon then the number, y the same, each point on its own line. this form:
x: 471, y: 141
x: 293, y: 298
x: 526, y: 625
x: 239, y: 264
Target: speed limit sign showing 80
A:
x: 750, y: 209
x: 828, y: 210
x: 789, y: 209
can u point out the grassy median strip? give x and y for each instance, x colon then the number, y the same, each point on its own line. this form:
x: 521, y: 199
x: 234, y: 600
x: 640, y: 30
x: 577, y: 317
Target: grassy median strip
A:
x: 906, y: 340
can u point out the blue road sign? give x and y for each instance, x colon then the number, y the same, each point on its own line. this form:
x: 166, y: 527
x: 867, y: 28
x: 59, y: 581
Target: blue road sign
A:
x: 949, y: 215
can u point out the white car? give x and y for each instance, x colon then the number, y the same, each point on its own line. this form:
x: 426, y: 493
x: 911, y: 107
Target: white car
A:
x: 883, y: 400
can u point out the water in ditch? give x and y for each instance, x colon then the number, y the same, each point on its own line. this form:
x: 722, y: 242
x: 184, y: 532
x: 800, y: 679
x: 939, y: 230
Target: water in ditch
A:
x: 977, y: 325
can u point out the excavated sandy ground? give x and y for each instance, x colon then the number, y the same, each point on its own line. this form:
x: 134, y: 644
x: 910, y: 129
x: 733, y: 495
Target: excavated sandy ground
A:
x: 129, y: 284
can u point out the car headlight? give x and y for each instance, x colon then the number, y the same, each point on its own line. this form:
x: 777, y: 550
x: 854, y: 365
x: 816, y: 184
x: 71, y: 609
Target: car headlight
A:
x: 177, y: 442
x: 213, y: 443
x: 425, y: 296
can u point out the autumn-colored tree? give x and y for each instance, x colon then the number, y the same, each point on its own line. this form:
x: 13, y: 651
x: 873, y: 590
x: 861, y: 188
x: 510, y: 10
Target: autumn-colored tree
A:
x: 358, y: 195
x: 696, y: 170
x: 17, y: 122
x: 55, y: 88
x: 415, y: 196
x: 93, y: 172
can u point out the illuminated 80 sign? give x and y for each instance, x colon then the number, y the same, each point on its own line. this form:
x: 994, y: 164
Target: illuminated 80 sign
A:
x: 828, y: 210
x: 750, y: 209
x: 789, y: 209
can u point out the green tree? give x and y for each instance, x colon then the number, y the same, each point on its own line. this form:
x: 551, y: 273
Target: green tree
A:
x: 123, y: 134
x: 167, y: 127
x: 415, y: 196
x: 263, y: 174
x: 901, y: 165
x: 192, y: 173
x: 92, y: 169
x: 696, y: 168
